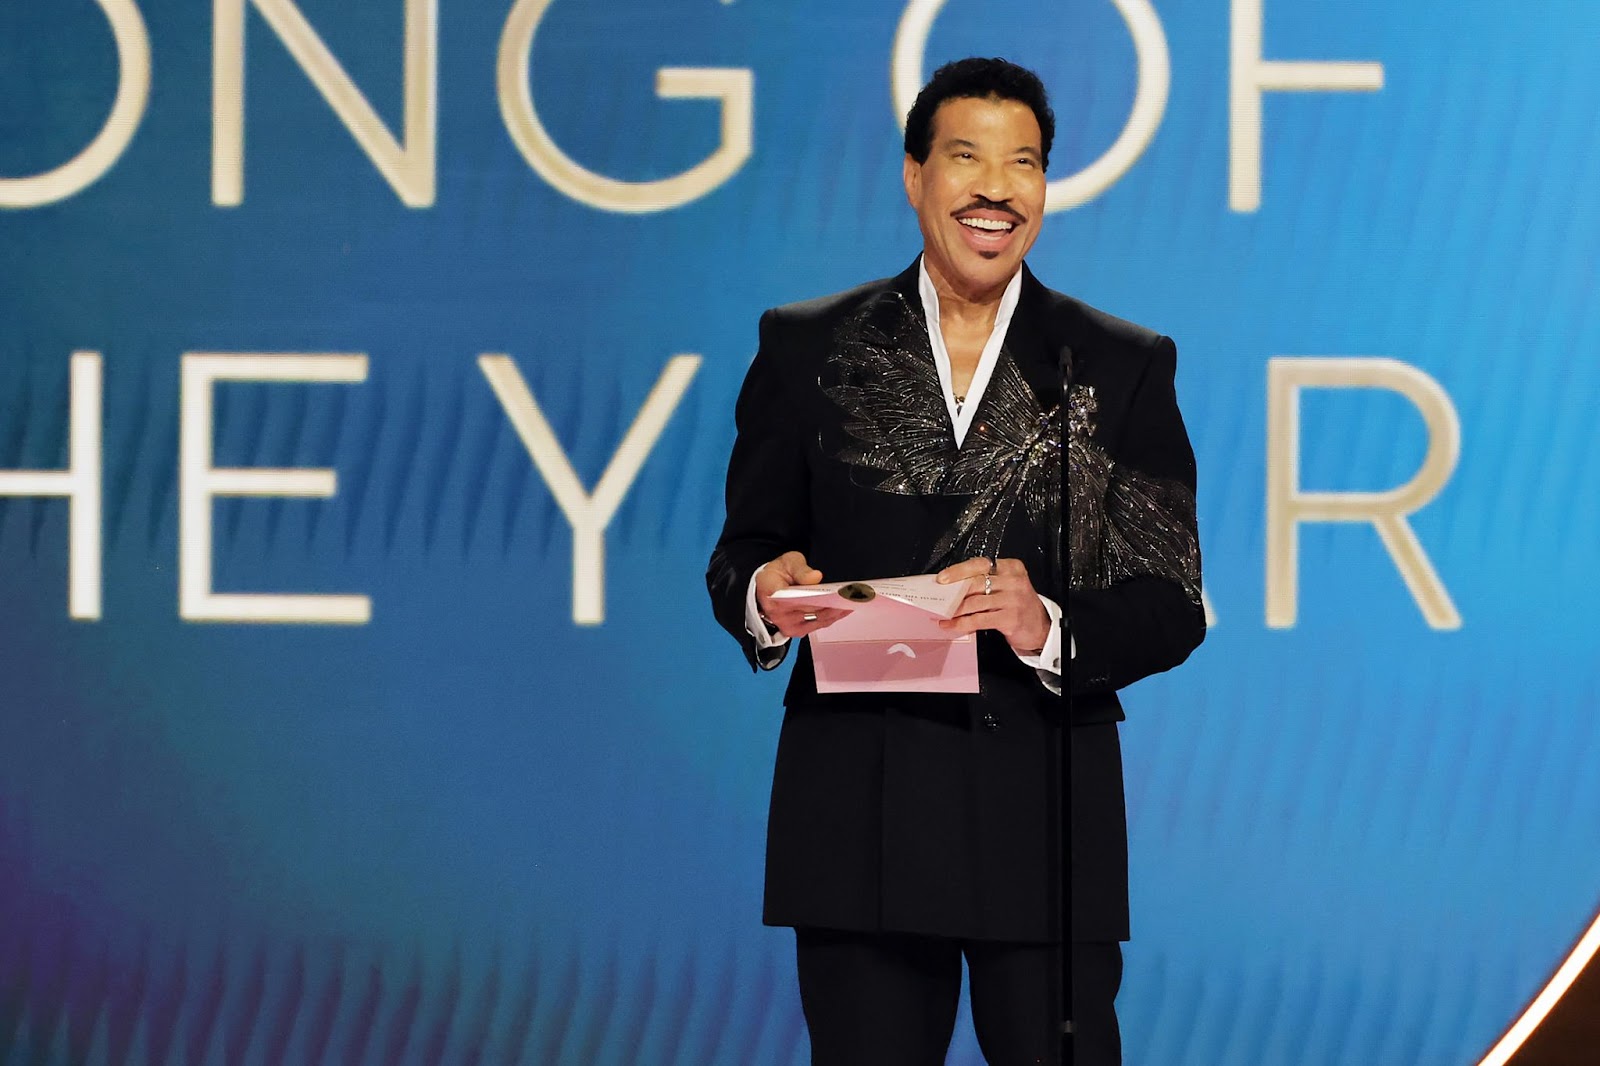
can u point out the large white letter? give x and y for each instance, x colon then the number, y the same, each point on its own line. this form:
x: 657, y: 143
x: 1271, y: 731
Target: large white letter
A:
x: 1252, y: 76
x: 79, y: 483
x: 199, y: 482
x: 1288, y: 506
x: 102, y: 153
x: 409, y: 167
x: 588, y: 514
x: 734, y: 87
x: 1149, y: 100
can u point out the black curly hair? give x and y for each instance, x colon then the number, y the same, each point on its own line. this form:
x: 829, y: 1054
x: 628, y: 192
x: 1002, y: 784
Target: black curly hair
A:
x: 980, y: 79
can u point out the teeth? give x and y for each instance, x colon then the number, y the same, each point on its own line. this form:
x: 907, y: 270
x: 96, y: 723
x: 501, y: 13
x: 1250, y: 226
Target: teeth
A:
x: 990, y: 224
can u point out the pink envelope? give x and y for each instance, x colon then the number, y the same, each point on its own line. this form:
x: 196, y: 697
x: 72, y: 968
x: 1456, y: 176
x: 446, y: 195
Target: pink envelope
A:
x: 888, y: 645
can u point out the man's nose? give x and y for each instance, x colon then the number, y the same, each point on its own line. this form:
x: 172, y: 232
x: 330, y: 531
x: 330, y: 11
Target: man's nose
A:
x: 992, y: 183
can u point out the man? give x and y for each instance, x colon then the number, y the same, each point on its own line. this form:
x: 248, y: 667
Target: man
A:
x: 913, y: 425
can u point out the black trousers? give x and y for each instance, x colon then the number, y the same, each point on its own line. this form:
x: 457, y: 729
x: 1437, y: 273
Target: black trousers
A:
x: 890, y: 1000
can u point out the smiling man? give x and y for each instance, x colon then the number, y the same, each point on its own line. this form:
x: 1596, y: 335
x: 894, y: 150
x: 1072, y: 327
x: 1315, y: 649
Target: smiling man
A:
x: 914, y: 425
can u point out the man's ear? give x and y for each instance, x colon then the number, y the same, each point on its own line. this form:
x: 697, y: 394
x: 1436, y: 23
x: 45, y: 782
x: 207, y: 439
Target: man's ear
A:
x: 912, y: 174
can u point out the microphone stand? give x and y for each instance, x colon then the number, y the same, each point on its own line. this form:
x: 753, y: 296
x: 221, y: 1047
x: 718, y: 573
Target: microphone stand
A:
x: 1063, y: 774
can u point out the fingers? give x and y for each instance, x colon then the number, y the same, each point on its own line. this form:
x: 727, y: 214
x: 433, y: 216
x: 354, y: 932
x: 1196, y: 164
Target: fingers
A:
x: 980, y: 565
x: 1003, y: 590
x: 961, y: 571
x: 1025, y: 625
x: 770, y: 580
x: 979, y: 611
x: 798, y: 570
x: 1011, y: 606
x: 978, y: 603
x: 793, y: 621
x: 786, y: 570
x: 791, y: 618
x: 973, y: 619
x: 1011, y: 567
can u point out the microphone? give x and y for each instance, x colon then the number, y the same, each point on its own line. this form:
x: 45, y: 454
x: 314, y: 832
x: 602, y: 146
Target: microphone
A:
x: 1064, y: 564
x: 1063, y: 775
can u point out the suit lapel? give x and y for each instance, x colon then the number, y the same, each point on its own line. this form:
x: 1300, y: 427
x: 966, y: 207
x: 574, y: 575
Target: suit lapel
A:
x: 905, y: 283
x: 908, y: 283
x: 1034, y: 341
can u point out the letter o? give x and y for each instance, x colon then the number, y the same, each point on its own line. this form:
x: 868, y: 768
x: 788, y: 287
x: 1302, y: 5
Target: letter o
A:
x: 102, y: 153
x: 734, y: 87
x: 1149, y: 101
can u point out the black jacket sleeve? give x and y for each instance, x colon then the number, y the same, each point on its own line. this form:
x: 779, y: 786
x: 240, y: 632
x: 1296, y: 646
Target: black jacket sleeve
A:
x: 1145, y: 623
x: 768, y: 509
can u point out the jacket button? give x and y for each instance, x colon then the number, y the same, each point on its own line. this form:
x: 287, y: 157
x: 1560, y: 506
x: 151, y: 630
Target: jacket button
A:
x: 990, y: 722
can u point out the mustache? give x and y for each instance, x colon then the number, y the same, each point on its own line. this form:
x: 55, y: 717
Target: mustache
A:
x: 981, y: 204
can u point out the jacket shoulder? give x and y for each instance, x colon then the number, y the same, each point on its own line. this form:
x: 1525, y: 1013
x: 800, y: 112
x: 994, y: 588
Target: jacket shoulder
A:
x: 826, y: 310
x: 1109, y: 351
x: 1096, y: 330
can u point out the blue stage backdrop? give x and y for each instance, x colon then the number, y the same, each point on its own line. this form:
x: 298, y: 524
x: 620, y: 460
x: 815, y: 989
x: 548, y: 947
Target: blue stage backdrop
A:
x: 366, y: 377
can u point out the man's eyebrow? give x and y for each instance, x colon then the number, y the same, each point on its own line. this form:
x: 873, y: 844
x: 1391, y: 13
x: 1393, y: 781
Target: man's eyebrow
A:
x: 961, y: 142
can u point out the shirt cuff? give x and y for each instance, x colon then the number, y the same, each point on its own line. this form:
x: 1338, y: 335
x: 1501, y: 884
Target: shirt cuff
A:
x: 765, y: 639
x: 1048, y: 658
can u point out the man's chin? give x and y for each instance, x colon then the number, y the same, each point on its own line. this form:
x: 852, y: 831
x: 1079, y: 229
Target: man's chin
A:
x: 985, y: 270
x: 974, y: 271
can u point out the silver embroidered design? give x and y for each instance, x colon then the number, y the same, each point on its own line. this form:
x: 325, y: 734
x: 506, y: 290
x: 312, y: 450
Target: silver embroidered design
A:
x: 888, y: 388
x: 1011, y: 457
x: 898, y: 427
x: 1124, y: 523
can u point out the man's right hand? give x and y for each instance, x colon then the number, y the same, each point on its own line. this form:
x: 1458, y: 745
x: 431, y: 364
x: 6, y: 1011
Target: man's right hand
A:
x: 786, y: 571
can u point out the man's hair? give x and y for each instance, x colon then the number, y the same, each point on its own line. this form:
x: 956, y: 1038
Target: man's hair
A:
x: 981, y: 79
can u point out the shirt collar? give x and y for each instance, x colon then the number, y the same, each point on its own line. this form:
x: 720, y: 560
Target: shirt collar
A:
x: 961, y: 417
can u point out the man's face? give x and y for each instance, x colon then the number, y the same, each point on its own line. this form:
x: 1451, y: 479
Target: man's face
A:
x: 980, y: 196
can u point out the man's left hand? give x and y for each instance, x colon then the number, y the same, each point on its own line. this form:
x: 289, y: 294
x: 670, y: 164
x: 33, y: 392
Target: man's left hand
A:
x: 1011, y: 605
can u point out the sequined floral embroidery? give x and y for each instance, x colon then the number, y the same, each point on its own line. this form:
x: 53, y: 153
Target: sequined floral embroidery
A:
x: 897, y: 427
x: 1122, y: 523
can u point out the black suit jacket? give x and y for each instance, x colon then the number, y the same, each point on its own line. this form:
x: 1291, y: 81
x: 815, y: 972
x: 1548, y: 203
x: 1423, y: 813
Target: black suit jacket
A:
x: 933, y: 813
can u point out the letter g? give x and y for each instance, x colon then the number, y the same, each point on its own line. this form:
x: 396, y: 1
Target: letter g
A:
x: 735, y: 87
